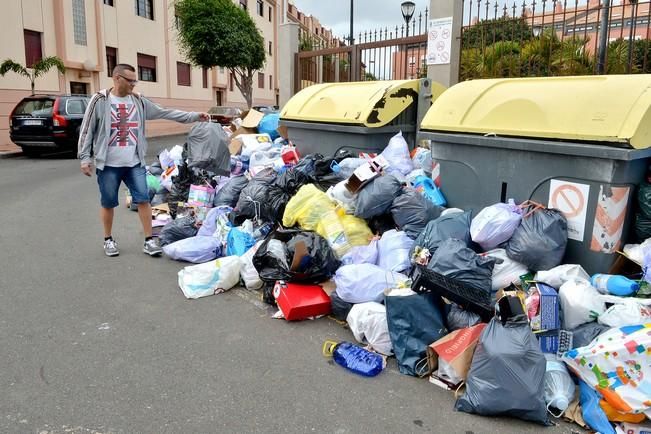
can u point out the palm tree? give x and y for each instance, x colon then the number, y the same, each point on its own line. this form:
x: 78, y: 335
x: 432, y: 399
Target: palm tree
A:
x: 35, y: 71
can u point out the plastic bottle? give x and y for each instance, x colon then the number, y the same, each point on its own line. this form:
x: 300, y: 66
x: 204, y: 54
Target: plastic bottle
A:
x: 427, y: 188
x: 614, y: 284
x: 330, y: 228
x: 559, y: 387
x: 354, y: 358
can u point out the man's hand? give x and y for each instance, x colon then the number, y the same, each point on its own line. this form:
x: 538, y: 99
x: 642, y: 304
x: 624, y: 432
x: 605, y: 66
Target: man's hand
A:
x: 87, y: 169
x: 204, y: 117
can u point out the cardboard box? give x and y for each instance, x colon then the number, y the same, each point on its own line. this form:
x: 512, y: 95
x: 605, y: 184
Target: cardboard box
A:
x: 298, y: 302
x: 365, y: 173
x: 251, y: 119
x: 549, y: 307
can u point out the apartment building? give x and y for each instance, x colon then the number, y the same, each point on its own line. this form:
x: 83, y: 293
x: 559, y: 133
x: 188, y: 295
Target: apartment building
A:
x: 91, y: 36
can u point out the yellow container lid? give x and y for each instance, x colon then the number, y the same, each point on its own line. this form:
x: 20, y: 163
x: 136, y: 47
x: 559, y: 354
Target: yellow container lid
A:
x: 608, y: 108
x: 371, y: 104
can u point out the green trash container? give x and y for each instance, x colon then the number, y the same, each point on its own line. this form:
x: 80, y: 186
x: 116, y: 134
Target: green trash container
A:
x: 579, y: 144
x: 358, y: 116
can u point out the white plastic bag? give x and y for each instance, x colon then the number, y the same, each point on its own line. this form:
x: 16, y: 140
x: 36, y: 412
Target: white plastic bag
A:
x: 581, y: 303
x: 365, y: 282
x: 254, y: 142
x: 213, y: 277
x: 625, y: 311
x: 249, y: 274
x: 397, y: 154
x: 342, y: 197
x: 393, y: 251
x: 368, y: 322
x: 557, y: 276
x: 506, y: 272
x: 495, y: 224
x: 362, y: 254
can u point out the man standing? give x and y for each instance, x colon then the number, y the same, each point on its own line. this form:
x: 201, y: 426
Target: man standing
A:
x: 113, y: 134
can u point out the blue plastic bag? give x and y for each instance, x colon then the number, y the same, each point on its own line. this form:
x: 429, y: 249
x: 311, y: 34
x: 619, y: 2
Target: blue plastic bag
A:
x: 593, y: 415
x: 269, y: 125
x: 238, y: 242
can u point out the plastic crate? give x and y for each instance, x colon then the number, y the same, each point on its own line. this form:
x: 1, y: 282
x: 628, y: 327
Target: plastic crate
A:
x: 426, y: 280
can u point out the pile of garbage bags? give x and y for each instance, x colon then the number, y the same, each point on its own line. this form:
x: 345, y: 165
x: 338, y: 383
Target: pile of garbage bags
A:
x: 477, y: 301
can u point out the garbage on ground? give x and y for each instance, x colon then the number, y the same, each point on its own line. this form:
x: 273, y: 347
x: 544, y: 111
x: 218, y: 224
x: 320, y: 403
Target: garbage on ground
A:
x: 366, y: 239
x: 301, y: 301
x: 354, y: 358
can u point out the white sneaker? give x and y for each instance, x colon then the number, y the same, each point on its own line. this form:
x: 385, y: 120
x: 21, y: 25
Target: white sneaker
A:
x: 152, y: 247
x: 111, y: 247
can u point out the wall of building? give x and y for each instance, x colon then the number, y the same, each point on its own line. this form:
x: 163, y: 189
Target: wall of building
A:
x: 119, y: 27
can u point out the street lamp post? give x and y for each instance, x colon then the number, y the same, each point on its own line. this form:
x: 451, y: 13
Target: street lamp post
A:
x: 630, y: 35
x: 604, y: 28
x: 407, y: 8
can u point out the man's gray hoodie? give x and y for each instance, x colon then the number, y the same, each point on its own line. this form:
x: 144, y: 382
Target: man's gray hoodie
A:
x: 96, y: 126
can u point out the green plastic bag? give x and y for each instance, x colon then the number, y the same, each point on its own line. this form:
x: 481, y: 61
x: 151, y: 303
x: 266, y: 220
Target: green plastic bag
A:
x: 644, y: 199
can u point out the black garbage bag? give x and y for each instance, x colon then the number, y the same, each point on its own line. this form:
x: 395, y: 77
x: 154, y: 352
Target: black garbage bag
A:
x: 540, y: 240
x: 586, y: 333
x: 207, y: 146
x: 180, y: 188
x: 415, y: 321
x: 459, y: 318
x: 261, y: 198
x: 381, y: 223
x: 229, y: 194
x: 454, y: 225
x: 376, y: 197
x: 507, y: 373
x: 644, y: 199
x: 291, y: 180
x: 412, y: 211
x: 179, y: 229
x: 308, y: 258
x: 453, y: 259
x: 642, y: 227
x: 268, y: 293
x: 319, y: 168
x: 339, y: 308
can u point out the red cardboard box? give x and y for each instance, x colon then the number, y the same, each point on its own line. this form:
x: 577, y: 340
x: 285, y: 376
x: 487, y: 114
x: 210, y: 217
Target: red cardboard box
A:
x: 298, y: 301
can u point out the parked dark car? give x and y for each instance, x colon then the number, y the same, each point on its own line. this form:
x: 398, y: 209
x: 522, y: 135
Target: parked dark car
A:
x: 266, y: 108
x: 41, y: 123
x: 224, y: 115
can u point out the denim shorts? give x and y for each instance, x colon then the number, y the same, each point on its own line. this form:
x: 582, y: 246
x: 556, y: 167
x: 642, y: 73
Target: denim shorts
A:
x: 109, y: 179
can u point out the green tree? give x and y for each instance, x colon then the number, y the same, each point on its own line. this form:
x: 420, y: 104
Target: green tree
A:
x: 487, y: 32
x: 35, y: 71
x: 218, y: 33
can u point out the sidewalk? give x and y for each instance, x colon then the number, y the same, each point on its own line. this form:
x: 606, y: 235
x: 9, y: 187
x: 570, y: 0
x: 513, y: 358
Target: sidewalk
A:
x: 9, y: 148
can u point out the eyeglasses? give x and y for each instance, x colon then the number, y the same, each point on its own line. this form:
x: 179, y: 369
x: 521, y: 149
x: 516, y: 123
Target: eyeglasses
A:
x: 131, y: 82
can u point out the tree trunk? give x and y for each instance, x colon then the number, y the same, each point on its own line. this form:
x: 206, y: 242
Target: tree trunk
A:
x: 32, y: 83
x: 244, y: 82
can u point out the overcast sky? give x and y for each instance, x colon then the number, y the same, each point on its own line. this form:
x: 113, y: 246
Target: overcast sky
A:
x: 368, y: 14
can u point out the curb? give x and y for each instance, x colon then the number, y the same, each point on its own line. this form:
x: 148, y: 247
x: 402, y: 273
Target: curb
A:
x: 10, y: 154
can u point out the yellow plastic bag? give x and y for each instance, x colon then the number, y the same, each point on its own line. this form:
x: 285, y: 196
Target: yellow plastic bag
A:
x: 306, y: 208
x: 357, y: 231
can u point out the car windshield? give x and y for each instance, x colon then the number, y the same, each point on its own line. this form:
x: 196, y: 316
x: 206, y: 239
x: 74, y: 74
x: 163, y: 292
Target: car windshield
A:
x: 35, y: 107
x: 224, y: 111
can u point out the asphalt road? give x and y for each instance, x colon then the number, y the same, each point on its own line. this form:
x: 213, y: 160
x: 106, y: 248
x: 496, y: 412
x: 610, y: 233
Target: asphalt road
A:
x: 96, y: 344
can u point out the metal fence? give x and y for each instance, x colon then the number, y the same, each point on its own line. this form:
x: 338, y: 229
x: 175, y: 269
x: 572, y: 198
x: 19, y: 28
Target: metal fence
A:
x: 554, y: 37
x: 390, y: 53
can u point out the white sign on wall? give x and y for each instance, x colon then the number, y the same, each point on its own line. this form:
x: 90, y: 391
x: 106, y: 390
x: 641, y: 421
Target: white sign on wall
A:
x: 439, y: 41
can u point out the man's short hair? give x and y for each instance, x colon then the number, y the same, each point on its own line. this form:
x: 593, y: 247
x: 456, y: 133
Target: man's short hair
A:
x: 121, y: 67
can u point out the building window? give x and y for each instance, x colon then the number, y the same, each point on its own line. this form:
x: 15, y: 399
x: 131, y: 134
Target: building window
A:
x: 79, y: 21
x: 204, y: 77
x: 111, y: 60
x: 271, y: 82
x: 33, y: 50
x: 146, y: 67
x: 145, y: 9
x: 261, y: 80
x: 183, y: 74
x: 261, y: 8
x: 231, y: 84
x: 243, y: 4
x: 108, y: 2
x: 221, y: 69
x: 270, y: 52
x: 269, y: 13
